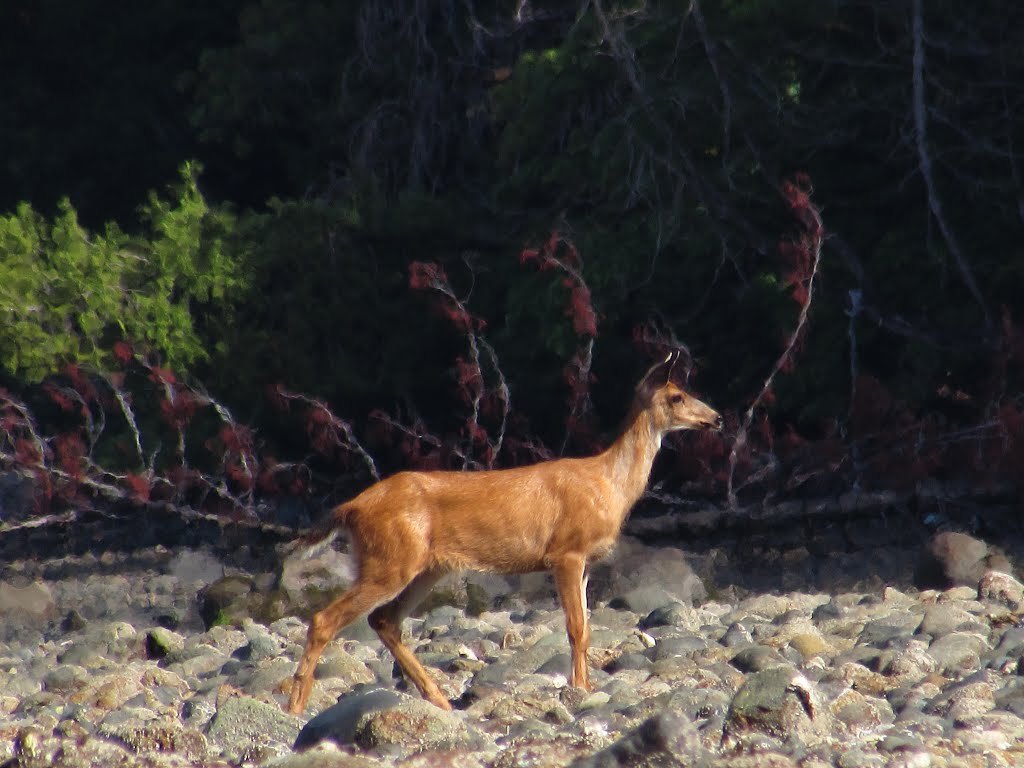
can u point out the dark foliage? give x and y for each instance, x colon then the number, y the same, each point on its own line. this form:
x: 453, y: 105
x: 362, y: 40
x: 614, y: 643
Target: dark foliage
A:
x: 465, y: 226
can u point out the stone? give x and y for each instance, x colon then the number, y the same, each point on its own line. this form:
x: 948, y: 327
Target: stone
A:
x: 957, y: 653
x: 227, y: 600
x: 309, y: 583
x: 683, y: 645
x: 32, y: 604
x: 952, y: 559
x: 340, y: 722
x: 155, y: 737
x: 1001, y: 588
x: 667, y: 739
x: 644, y: 599
x: 244, y: 726
x: 756, y: 658
x: 160, y: 642
x: 779, y: 702
x: 896, y: 625
x: 942, y: 618
x: 858, y: 712
x: 412, y: 725
x: 811, y: 644
x: 670, y: 615
x: 195, y: 567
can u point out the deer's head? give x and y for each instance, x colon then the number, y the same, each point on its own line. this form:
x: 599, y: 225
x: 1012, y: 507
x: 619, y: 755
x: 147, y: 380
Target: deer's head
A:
x: 671, y: 407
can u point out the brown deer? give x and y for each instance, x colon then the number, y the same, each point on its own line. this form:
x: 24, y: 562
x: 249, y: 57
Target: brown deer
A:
x: 409, y: 530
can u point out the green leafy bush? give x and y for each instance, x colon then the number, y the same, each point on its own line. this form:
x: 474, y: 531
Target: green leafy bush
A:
x: 67, y: 294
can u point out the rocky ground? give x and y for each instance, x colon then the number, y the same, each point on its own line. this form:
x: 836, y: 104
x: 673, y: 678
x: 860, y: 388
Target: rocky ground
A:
x: 183, y: 656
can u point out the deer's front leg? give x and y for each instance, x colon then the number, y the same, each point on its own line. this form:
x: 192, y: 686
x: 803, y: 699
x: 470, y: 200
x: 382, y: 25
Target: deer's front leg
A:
x: 571, y: 582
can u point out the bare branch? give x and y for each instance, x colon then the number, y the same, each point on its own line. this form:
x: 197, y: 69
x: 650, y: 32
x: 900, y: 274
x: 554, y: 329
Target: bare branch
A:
x: 925, y: 163
x: 810, y: 240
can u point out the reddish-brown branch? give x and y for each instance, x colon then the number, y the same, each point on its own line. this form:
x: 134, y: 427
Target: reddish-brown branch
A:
x: 805, y: 257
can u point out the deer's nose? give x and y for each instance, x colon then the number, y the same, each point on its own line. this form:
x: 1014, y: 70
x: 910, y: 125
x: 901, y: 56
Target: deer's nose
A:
x: 718, y: 421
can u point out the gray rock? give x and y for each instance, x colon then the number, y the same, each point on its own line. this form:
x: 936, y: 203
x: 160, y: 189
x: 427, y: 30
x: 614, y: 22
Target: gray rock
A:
x: 699, y: 703
x: 666, y: 739
x: 412, y: 725
x: 633, y: 564
x: 160, y: 642
x: 1001, y: 588
x: 942, y: 618
x: 309, y: 583
x: 671, y: 615
x: 340, y: 722
x: 896, y: 625
x: 756, y: 658
x: 779, y: 702
x: 958, y: 653
x: 954, y: 559
x: 228, y: 600
x: 971, y: 697
x: 244, y: 726
x: 261, y: 643
x: 343, y: 668
x: 907, y: 660
x: 683, y: 645
x: 644, y: 599
x: 195, y: 567
x: 632, y: 660
x: 330, y: 758
x: 29, y: 604
x: 857, y: 712
x: 156, y: 737
x: 737, y: 635
x: 65, y: 679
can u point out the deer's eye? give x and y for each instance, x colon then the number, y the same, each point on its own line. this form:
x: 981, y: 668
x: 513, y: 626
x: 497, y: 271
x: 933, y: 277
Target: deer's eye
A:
x: 675, y: 399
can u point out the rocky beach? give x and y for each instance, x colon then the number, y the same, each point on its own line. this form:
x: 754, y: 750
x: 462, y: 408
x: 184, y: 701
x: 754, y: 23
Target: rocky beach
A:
x: 907, y: 652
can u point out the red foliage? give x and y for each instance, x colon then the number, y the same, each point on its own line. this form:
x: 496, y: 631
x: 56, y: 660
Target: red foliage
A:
x: 123, y: 352
x: 529, y: 255
x: 700, y: 457
x: 236, y: 438
x: 457, y: 315
x: 178, y: 411
x: 26, y: 452
x: 139, y: 487
x: 476, y: 433
x: 162, y: 376
x: 423, y: 275
x: 59, y: 398
x: 470, y: 379
x: 561, y: 253
x: 581, y: 310
x: 799, y: 254
x: 797, y: 194
x: 239, y: 475
x: 69, y: 450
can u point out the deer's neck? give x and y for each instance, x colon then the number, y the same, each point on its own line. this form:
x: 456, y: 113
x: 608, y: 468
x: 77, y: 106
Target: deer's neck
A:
x: 629, y: 459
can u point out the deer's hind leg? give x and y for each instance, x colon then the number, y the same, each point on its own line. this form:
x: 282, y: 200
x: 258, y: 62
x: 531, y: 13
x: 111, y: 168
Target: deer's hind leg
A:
x: 386, y: 621
x: 361, y: 597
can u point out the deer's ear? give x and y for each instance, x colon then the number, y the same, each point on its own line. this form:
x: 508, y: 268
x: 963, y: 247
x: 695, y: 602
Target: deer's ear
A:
x: 658, y: 374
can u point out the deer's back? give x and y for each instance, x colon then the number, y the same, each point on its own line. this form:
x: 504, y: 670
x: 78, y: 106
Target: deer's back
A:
x: 512, y: 520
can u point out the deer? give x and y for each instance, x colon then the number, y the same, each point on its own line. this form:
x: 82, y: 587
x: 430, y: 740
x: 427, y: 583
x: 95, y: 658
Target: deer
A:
x: 562, y: 515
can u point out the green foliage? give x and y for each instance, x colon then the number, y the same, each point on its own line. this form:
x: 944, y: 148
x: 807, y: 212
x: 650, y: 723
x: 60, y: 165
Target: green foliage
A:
x: 66, y: 295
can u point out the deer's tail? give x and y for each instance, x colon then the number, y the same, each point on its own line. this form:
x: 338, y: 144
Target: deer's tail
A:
x: 322, y: 534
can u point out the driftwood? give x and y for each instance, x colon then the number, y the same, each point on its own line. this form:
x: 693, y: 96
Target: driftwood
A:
x: 932, y: 505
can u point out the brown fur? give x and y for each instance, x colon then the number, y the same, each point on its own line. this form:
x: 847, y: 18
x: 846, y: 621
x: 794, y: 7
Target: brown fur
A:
x: 410, y: 529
